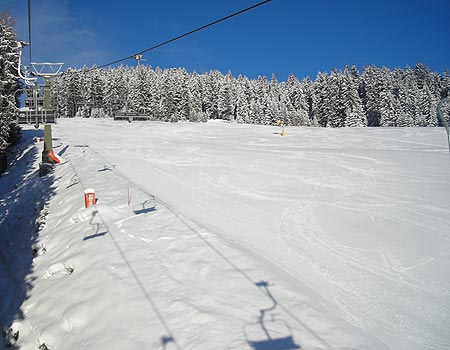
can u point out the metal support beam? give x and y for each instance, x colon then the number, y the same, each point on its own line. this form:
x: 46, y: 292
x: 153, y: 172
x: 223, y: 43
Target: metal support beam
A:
x: 48, y: 147
x: 444, y: 121
x: 47, y: 94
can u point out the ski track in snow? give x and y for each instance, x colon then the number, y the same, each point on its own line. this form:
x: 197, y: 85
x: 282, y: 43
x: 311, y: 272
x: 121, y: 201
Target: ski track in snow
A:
x: 217, y: 210
x: 327, y: 247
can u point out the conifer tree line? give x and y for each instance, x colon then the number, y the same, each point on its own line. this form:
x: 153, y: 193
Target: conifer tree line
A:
x: 9, y: 84
x: 374, y: 97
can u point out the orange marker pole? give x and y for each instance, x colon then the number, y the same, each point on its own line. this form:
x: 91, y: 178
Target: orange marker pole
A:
x: 89, y: 197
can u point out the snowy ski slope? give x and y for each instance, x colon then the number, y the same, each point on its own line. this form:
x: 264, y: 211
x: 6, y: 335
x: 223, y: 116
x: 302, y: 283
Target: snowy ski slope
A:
x: 237, y: 238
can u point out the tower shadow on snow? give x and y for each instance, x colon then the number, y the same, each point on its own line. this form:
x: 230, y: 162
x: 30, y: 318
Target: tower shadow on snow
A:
x: 63, y: 150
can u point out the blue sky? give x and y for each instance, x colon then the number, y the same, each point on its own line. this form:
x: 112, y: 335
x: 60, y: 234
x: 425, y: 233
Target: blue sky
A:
x: 284, y: 36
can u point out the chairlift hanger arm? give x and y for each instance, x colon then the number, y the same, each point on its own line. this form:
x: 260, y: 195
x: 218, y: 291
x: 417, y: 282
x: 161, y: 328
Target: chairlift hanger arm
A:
x: 28, y: 81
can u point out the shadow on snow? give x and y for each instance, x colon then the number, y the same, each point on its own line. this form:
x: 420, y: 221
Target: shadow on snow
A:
x: 276, y: 334
x: 23, y: 195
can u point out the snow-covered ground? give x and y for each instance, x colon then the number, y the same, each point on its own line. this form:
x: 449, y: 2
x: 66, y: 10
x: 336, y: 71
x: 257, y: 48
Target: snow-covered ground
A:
x: 226, y: 236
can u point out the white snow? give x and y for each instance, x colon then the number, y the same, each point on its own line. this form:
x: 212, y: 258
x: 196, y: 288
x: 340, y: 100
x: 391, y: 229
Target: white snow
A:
x: 228, y: 236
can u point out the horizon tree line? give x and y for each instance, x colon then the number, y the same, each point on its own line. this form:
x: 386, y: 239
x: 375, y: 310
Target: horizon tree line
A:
x: 375, y: 97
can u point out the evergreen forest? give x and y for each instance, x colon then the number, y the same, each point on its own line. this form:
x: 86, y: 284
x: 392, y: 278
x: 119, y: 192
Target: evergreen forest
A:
x: 377, y: 96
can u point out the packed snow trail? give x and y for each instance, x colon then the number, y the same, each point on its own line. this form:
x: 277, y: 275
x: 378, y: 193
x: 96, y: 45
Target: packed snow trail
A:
x: 197, y: 229
x: 348, y: 229
x: 144, y: 276
x: 342, y: 206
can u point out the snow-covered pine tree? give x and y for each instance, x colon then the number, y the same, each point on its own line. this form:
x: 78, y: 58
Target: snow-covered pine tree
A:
x: 96, y: 88
x: 387, y: 109
x: 422, y: 75
x: 243, y: 100
x: 138, y: 87
x: 445, y: 92
x: 285, y: 107
x: 83, y: 100
x: 212, y: 86
x: 407, y: 93
x: 56, y: 85
x: 327, y: 102
x: 307, y: 87
x: 274, y: 109
x: 169, y: 100
x: 426, y: 108
x: 320, y: 99
x: 9, y: 81
x: 354, y: 114
x: 401, y: 117
x: 261, y: 94
x: 335, y: 99
x: 181, y: 93
x: 445, y: 84
x: 74, y: 88
x: 256, y: 111
x: 386, y: 104
x: 195, y: 89
x: 297, y: 94
x: 293, y: 88
x: 155, y: 104
x: 151, y: 104
x: 373, y: 85
x: 115, y: 91
x: 226, y: 98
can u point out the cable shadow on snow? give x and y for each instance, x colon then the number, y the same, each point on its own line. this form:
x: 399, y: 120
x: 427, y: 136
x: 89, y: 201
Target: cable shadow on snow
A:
x: 165, y: 339
x: 273, y: 334
x: 23, y: 196
x: 247, y: 277
x: 287, y: 342
x: 101, y: 228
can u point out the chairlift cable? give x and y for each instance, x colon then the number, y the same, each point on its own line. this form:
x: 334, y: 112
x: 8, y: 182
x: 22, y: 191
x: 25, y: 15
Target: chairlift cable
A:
x: 29, y: 30
x: 188, y: 33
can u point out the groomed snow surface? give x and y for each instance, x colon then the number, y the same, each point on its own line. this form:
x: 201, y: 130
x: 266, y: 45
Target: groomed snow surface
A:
x: 227, y: 236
